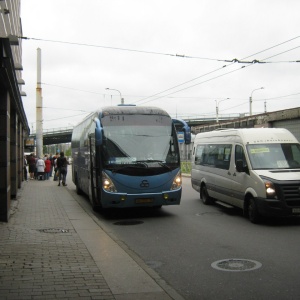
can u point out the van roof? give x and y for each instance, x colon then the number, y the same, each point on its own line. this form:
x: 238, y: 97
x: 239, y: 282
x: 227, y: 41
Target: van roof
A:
x: 249, y: 135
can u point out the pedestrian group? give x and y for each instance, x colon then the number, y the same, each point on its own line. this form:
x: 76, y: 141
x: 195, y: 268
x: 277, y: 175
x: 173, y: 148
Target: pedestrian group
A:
x: 41, y: 168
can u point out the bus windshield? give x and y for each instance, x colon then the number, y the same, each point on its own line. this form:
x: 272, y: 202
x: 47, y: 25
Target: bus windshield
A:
x: 274, y: 156
x: 141, y: 140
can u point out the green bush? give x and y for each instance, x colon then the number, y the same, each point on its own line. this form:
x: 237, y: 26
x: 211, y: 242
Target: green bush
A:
x: 186, y: 167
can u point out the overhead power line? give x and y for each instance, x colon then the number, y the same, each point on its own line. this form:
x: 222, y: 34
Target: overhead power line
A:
x: 120, y: 49
x: 234, y: 60
x: 216, y: 70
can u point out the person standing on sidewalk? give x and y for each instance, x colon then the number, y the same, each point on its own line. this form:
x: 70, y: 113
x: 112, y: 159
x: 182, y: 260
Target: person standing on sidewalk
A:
x: 32, y: 166
x: 25, y: 168
x: 54, y: 160
x: 52, y: 165
x: 47, y: 168
x: 62, y: 165
x: 40, y: 165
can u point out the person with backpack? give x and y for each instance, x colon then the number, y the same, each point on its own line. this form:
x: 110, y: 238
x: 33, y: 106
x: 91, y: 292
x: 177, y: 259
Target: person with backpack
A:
x: 62, y: 167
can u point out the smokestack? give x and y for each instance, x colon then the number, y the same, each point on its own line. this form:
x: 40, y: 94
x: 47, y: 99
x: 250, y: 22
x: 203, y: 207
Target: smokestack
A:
x: 39, y: 108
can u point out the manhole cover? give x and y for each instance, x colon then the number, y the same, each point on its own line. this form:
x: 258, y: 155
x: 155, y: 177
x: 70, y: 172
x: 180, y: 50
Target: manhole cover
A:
x: 54, y: 230
x: 129, y: 222
x: 236, y: 265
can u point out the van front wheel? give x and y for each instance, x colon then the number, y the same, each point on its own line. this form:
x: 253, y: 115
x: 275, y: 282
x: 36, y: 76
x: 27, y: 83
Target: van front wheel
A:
x: 204, y: 196
x: 253, y: 213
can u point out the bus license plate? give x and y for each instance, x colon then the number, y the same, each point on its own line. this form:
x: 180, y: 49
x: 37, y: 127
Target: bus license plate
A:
x: 144, y: 200
x: 296, y: 210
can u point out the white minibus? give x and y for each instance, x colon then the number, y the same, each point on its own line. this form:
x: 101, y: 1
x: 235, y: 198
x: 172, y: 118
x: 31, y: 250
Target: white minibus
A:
x: 255, y: 169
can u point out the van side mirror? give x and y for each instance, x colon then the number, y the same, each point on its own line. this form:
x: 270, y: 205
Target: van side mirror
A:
x: 240, y: 166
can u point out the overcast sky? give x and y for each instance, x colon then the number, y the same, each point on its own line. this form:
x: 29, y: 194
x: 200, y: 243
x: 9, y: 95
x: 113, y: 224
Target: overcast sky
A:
x: 175, y: 54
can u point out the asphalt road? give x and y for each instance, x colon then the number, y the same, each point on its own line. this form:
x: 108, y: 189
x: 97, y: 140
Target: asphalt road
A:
x: 211, y: 252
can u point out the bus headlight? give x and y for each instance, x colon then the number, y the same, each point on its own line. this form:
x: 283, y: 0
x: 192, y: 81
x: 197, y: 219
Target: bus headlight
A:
x: 270, y: 189
x: 107, y: 184
x: 177, y: 181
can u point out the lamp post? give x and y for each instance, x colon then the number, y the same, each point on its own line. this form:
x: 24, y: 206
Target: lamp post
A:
x: 122, y: 99
x: 217, y: 108
x: 250, y: 99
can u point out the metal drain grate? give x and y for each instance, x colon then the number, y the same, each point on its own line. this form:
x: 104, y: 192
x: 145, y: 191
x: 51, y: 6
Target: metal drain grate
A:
x: 54, y: 230
x: 236, y: 265
x: 128, y: 222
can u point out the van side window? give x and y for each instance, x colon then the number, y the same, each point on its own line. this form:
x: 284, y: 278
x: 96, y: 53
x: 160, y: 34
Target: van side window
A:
x: 240, y: 155
x: 214, y: 155
x: 198, y: 154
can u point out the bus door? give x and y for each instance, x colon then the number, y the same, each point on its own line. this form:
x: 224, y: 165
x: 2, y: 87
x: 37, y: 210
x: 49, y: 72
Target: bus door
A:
x: 93, y: 172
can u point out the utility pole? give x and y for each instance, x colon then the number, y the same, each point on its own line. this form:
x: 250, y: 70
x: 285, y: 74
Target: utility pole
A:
x: 39, y: 108
x: 217, y: 108
x: 251, y: 100
x: 265, y: 106
x: 122, y: 99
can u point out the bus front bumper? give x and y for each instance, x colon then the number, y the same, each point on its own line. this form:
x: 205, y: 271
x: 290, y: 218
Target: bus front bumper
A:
x: 141, y: 200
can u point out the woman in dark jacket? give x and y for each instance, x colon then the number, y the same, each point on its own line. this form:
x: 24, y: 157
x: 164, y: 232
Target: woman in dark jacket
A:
x: 32, y: 167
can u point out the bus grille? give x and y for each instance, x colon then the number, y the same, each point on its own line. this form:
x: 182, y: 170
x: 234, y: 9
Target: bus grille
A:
x: 291, y: 194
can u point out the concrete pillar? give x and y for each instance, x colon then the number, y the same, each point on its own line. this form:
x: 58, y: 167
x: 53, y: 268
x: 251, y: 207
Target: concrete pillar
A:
x: 13, y: 153
x: 5, y: 183
x: 20, y: 154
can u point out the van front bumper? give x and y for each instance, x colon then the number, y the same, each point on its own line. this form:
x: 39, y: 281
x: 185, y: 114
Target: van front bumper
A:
x: 276, y: 208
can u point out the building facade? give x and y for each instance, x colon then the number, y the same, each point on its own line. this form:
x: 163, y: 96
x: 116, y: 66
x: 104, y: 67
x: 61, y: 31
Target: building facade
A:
x: 13, y: 122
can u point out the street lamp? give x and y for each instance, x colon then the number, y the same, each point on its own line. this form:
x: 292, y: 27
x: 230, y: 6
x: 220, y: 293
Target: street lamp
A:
x: 122, y: 99
x: 250, y: 99
x: 217, y: 108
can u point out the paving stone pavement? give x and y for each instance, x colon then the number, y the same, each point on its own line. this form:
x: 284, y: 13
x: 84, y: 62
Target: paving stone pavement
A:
x: 51, y: 248
x: 41, y: 255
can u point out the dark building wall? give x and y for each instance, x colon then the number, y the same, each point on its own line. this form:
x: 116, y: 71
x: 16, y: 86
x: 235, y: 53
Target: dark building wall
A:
x: 13, y: 129
x: 5, y: 178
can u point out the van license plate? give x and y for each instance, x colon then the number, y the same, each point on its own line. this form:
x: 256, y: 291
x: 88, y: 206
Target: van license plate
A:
x: 296, y: 210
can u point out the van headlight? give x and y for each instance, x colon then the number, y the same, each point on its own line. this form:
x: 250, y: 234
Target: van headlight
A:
x: 177, y: 181
x: 107, y: 184
x: 270, y: 189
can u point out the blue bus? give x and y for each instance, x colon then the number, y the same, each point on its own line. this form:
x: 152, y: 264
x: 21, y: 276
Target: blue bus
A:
x: 127, y: 156
x: 182, y: 126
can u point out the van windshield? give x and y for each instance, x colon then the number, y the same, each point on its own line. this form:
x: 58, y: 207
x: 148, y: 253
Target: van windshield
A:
x: 274, y: 156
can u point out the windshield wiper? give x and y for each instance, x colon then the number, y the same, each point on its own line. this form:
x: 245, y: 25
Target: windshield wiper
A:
x: 118, y: 168
x: 160, y: 162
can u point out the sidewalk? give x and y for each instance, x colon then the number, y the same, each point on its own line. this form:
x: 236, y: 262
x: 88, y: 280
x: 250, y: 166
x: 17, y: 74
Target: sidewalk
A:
x: 51, y: 248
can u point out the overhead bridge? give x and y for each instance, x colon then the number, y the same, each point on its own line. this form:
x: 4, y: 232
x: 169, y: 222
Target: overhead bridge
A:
x: 288, y: 118
x: 63, y: 135
x: 55, y: 136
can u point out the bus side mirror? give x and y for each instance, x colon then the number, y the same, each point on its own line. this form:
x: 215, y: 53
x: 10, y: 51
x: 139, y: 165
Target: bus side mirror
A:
x: 98, y: 132
x: 98, y: 136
